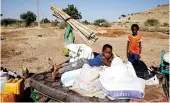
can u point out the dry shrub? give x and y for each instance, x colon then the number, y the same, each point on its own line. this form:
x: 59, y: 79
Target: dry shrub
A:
x: 154, y: 29
x: 151, y: 22
x: 165, y: 24
x: 154, y: 35
x: 61, y: 25
x: 46, y: 25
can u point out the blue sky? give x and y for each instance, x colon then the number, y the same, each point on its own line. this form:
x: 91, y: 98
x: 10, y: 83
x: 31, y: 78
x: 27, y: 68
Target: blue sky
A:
x: 90, y: 9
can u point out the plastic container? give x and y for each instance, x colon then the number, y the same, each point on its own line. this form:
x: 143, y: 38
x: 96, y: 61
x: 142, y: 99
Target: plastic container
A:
x: 12, y: 74
x: 2, y: 83
x: 3, y: 74
x: 17, y: 87
x: 7, y: 97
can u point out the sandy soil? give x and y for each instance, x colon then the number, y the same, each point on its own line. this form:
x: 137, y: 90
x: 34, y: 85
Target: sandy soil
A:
x: 31, y: 47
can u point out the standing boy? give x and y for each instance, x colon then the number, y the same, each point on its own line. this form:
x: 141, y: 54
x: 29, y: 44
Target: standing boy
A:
x: 134, y: 44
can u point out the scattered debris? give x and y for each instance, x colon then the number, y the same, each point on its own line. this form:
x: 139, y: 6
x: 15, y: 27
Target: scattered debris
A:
x: 39, y: 35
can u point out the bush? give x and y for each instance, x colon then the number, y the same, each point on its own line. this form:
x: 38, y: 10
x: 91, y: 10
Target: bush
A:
x: 127, y: 22
x: 106, y: 24
x: 5, y: 22
x: 99, y: 22
x: 72, y: 11
x: 165, y: 24
x: 85, y: 22
x: 123, y: 15
x: 151, y: 22
x: 129, y: 18
x: 61, y: 25
x: 45, y: 20
x: 28, y: 17
x: 9, y: 21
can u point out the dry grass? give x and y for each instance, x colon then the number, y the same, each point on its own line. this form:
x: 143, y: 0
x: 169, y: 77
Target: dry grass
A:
x: 46, y: 25
x: 9, y: 51
x: 113, y: 33
x: 154, y: 35
x: 121, y: 32
x: 155, y: 29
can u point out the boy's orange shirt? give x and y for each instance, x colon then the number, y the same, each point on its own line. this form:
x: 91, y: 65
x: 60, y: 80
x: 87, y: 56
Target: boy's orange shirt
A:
x: 134, y: 43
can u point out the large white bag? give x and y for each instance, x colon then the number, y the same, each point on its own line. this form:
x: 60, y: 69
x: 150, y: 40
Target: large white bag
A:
x: 128, y: 87
x: 78, y: 51
x: 120, y: 81
x: 69, y: 77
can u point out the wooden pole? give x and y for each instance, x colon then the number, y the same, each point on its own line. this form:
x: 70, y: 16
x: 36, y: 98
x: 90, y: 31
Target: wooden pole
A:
x: 38, y: 13
x: 87, y: 34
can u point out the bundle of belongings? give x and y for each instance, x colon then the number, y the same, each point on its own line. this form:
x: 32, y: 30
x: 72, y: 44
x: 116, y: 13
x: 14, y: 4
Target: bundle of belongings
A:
x: 12, y: 86
x: 120, y: 80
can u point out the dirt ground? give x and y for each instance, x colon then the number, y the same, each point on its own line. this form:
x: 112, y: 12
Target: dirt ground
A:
x: 32, y: 47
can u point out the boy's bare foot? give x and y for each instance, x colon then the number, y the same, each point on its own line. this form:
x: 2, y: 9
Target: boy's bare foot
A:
x: 54, y: 75
x: 56, y: 67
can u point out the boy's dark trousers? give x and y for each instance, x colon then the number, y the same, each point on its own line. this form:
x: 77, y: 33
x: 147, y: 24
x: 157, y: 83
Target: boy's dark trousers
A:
x: 133, y: 58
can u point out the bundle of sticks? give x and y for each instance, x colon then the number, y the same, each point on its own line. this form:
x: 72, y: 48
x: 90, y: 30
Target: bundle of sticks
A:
x: 87, y: 34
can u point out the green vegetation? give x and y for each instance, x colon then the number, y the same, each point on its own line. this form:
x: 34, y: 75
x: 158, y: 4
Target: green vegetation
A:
x: 61, y: 25
x: 72, y: 11
x: 102, y: 23
x: 28, y: 17
x: 45, y: 20
x: 106, y: 24
x: 123, y: 15
x: 151, y: 22
x: 99, y: 21
x: 129, y: 18
x: 9, y: 21
x: 85, y: 22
